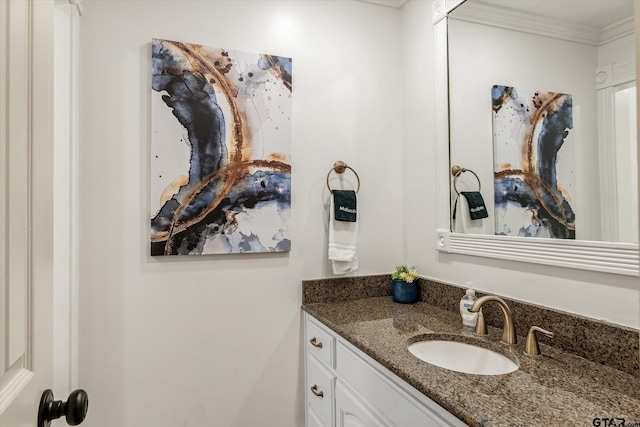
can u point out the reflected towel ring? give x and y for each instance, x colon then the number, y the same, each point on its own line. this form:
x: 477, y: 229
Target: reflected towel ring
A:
x: 340, y: 167
x: 456, y: 171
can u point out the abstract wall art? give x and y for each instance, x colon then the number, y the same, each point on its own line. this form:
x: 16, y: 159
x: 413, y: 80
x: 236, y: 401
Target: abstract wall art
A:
x: 220, y: 150
x: 533, y: 163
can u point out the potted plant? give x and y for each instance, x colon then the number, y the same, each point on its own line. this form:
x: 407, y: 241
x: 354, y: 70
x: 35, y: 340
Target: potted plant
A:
x: 405, y: 284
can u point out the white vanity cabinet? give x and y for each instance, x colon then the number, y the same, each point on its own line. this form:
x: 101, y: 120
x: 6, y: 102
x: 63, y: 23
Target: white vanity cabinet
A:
x: 346, y: 388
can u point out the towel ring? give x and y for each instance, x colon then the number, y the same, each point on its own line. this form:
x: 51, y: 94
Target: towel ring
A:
x: 456, y: 171
x: 340, y: 167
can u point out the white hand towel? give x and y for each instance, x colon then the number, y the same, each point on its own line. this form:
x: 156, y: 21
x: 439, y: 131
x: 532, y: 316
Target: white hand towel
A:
x: 343, y: 238
x: 463, y: 223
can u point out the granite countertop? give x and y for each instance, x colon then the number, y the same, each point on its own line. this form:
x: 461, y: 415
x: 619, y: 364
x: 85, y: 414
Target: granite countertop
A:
x: 555, y: 388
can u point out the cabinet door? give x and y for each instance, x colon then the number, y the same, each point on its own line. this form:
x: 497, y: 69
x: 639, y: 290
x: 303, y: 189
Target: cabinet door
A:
x: 319, y: 393
x: 351, y: 411
x: 314, y: 421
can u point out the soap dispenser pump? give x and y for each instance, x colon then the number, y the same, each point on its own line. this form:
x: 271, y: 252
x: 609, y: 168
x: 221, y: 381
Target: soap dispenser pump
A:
x: 468, y: 318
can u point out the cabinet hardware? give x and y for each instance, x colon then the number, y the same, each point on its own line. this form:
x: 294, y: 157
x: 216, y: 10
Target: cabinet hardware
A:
x: 315, y: 391
x: 315, y: 343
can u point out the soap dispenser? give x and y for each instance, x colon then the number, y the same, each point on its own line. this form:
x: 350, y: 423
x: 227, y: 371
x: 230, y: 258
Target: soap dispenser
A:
x: 468, y: 318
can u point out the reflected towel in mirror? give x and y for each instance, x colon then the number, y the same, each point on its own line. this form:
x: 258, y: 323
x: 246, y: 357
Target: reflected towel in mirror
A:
x: 468, y: 213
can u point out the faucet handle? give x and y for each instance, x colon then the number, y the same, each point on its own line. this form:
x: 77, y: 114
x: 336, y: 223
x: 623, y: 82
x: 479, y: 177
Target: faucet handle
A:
x: 481, y: 326
x: 531, y: 346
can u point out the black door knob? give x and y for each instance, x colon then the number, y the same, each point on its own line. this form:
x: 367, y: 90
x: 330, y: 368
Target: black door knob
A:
x: 74, y: 409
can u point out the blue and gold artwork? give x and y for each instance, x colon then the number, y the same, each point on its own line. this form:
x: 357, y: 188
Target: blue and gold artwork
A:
x: 533, y: 163
x: 220, y: 150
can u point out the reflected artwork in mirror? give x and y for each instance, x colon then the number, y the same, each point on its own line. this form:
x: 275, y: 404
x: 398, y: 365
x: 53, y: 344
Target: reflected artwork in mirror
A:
x: 533, y: 162
x: 585, y: 49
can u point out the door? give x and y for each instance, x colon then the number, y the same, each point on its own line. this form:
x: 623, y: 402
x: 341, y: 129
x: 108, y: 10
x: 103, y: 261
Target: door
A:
x: 26, y: 206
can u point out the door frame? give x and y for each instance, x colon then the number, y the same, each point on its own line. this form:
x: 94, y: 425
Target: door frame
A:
x: 66, y: 203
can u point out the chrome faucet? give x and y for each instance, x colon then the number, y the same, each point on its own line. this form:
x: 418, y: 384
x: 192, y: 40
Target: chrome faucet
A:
x: 509, y: 330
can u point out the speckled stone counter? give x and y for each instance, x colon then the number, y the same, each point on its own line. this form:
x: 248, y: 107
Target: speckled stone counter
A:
x: 555, y: 388
x: 596, y: 340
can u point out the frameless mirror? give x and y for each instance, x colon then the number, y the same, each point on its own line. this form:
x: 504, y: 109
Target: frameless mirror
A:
x: 583, y: 49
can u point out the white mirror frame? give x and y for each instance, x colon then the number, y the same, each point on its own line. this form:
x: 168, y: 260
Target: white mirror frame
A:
x: 607, y: 257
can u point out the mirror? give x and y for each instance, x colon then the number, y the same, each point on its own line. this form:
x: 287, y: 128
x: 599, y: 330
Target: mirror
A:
x: 588, y: 53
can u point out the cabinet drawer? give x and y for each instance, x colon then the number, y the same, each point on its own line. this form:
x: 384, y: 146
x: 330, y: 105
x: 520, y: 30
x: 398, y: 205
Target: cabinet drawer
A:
x: 320, y: 384
x: 320, y: 342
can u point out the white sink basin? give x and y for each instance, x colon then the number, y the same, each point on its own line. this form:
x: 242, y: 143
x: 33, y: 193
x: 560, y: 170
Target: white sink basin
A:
x: 462, y: 357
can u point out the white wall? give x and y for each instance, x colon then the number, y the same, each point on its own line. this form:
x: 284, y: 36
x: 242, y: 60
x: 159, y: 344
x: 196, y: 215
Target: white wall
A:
x: 597, y: 295
x: 216, y: 340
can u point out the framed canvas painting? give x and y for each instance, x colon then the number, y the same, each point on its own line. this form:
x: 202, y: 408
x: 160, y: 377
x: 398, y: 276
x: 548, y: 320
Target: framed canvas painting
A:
x: 220, y: 150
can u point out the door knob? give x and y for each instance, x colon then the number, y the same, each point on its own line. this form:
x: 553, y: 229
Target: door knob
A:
x: 74, y: 409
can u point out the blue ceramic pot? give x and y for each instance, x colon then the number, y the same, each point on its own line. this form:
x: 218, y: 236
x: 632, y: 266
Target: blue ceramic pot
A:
x: 403, y: 292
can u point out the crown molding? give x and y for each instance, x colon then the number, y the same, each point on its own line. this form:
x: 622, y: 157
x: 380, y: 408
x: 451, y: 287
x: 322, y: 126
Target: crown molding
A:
x: 486, y: 14
x: 625, y: 27
x: 396, y: 4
